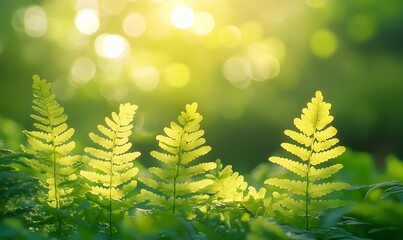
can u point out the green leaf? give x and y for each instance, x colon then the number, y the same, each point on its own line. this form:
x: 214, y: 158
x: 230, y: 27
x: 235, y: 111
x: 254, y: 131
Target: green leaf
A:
x: 51, y: 145
x: 111, y: 171
x: 318, y: 190
x: 178, y: 185
x: 295, y: 187
x: 295, y: 167
x: 315, y: 145
x: 300, y: 152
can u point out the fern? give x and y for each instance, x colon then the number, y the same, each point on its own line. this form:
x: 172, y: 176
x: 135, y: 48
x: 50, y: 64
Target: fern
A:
x: 51, y: 145
x: 15, y: 185
x: 228, y: 186
x: 315, y: 146
x: 179, y: 184
x: 112, y: 175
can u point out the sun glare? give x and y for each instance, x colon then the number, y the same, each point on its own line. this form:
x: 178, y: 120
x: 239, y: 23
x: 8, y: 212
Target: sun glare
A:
x: 111, y: 46
x: 203, y: 24
x: 182, y: 17
x: 35, y: 21
x: 134, y: 25
x: 87, y: 21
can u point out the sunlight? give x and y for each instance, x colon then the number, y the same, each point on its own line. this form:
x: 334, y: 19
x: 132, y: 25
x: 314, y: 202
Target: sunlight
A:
x: 111, y: 46
x: 112, y: 7
x: 87, y: 21
x: 35, y: 22
x: 182, y: 17
x: 146, y: 77
x: 230, y: 36
x: 134, y: 25
x: 316, y: 3
x: 83, y: 70
x: 237, y: 71
x: 204, y: 23
x: 177, y: 74
x: 92, y: 4
x: 265, y: 67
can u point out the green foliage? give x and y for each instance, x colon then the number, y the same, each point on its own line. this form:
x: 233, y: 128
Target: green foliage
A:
x: 112, y: 172
x: 179, y: 185
x: 262, y: 229
x: 50, y: 143
x: 316, y: 146
x: 186, y: 200
x: 16, y: 187
x: 228, y: 186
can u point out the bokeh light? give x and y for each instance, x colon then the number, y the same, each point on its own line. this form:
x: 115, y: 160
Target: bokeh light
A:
x: 182, y: 17
x: 252, y: 31
x: 146, y: 77
x: 268, y: 46
x: 63, y: 89
x: 111, y: 46
x: 89, y: 4
x: 134, y: 25
x: 361, y: 27
x: 35, y: 21
x: 203, y: 24
x: 230, y: 36
x: 265, y: 67
x: 111, y: 70
x: 83, y: 70
x: 237, y: 71
x: 246, y: 61
x: 177, y: 74
x: 323, y: 43
x: 315, y: 3
x: 87, y: 21
x: 17, y: 20
x: 113, y: 6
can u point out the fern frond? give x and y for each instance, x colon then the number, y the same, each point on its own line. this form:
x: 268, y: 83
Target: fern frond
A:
x: 228, y: 186
x: 51, y: 144
x: 298, y: 168
x: 300, y: 152
x: 195, y: 170
x: 321, y: 157
x: 315, y: 145
x: 322, y: 205
x: 192, y: 187
x: 296, y: 187
x: 177, y: 181
x: 298, y: 137
x: 290, y: 205
x: 322, y: 173
x: 318, y: 190
x: 153, y: 198
x: 111, y: 171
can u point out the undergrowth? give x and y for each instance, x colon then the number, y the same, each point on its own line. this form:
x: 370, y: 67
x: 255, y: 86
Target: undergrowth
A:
x: 51, y: 189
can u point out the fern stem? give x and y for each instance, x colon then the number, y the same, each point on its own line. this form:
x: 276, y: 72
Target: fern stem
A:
x: 110, y: 185
x: 54, y: 169
x: 307, y: 198
x: 110, y: 200
x: 110, y: 179
x: 174, y: 203
x: 175, y: 178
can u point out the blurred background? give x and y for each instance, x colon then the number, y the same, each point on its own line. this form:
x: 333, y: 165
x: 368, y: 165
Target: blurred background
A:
x: 251, y: 65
